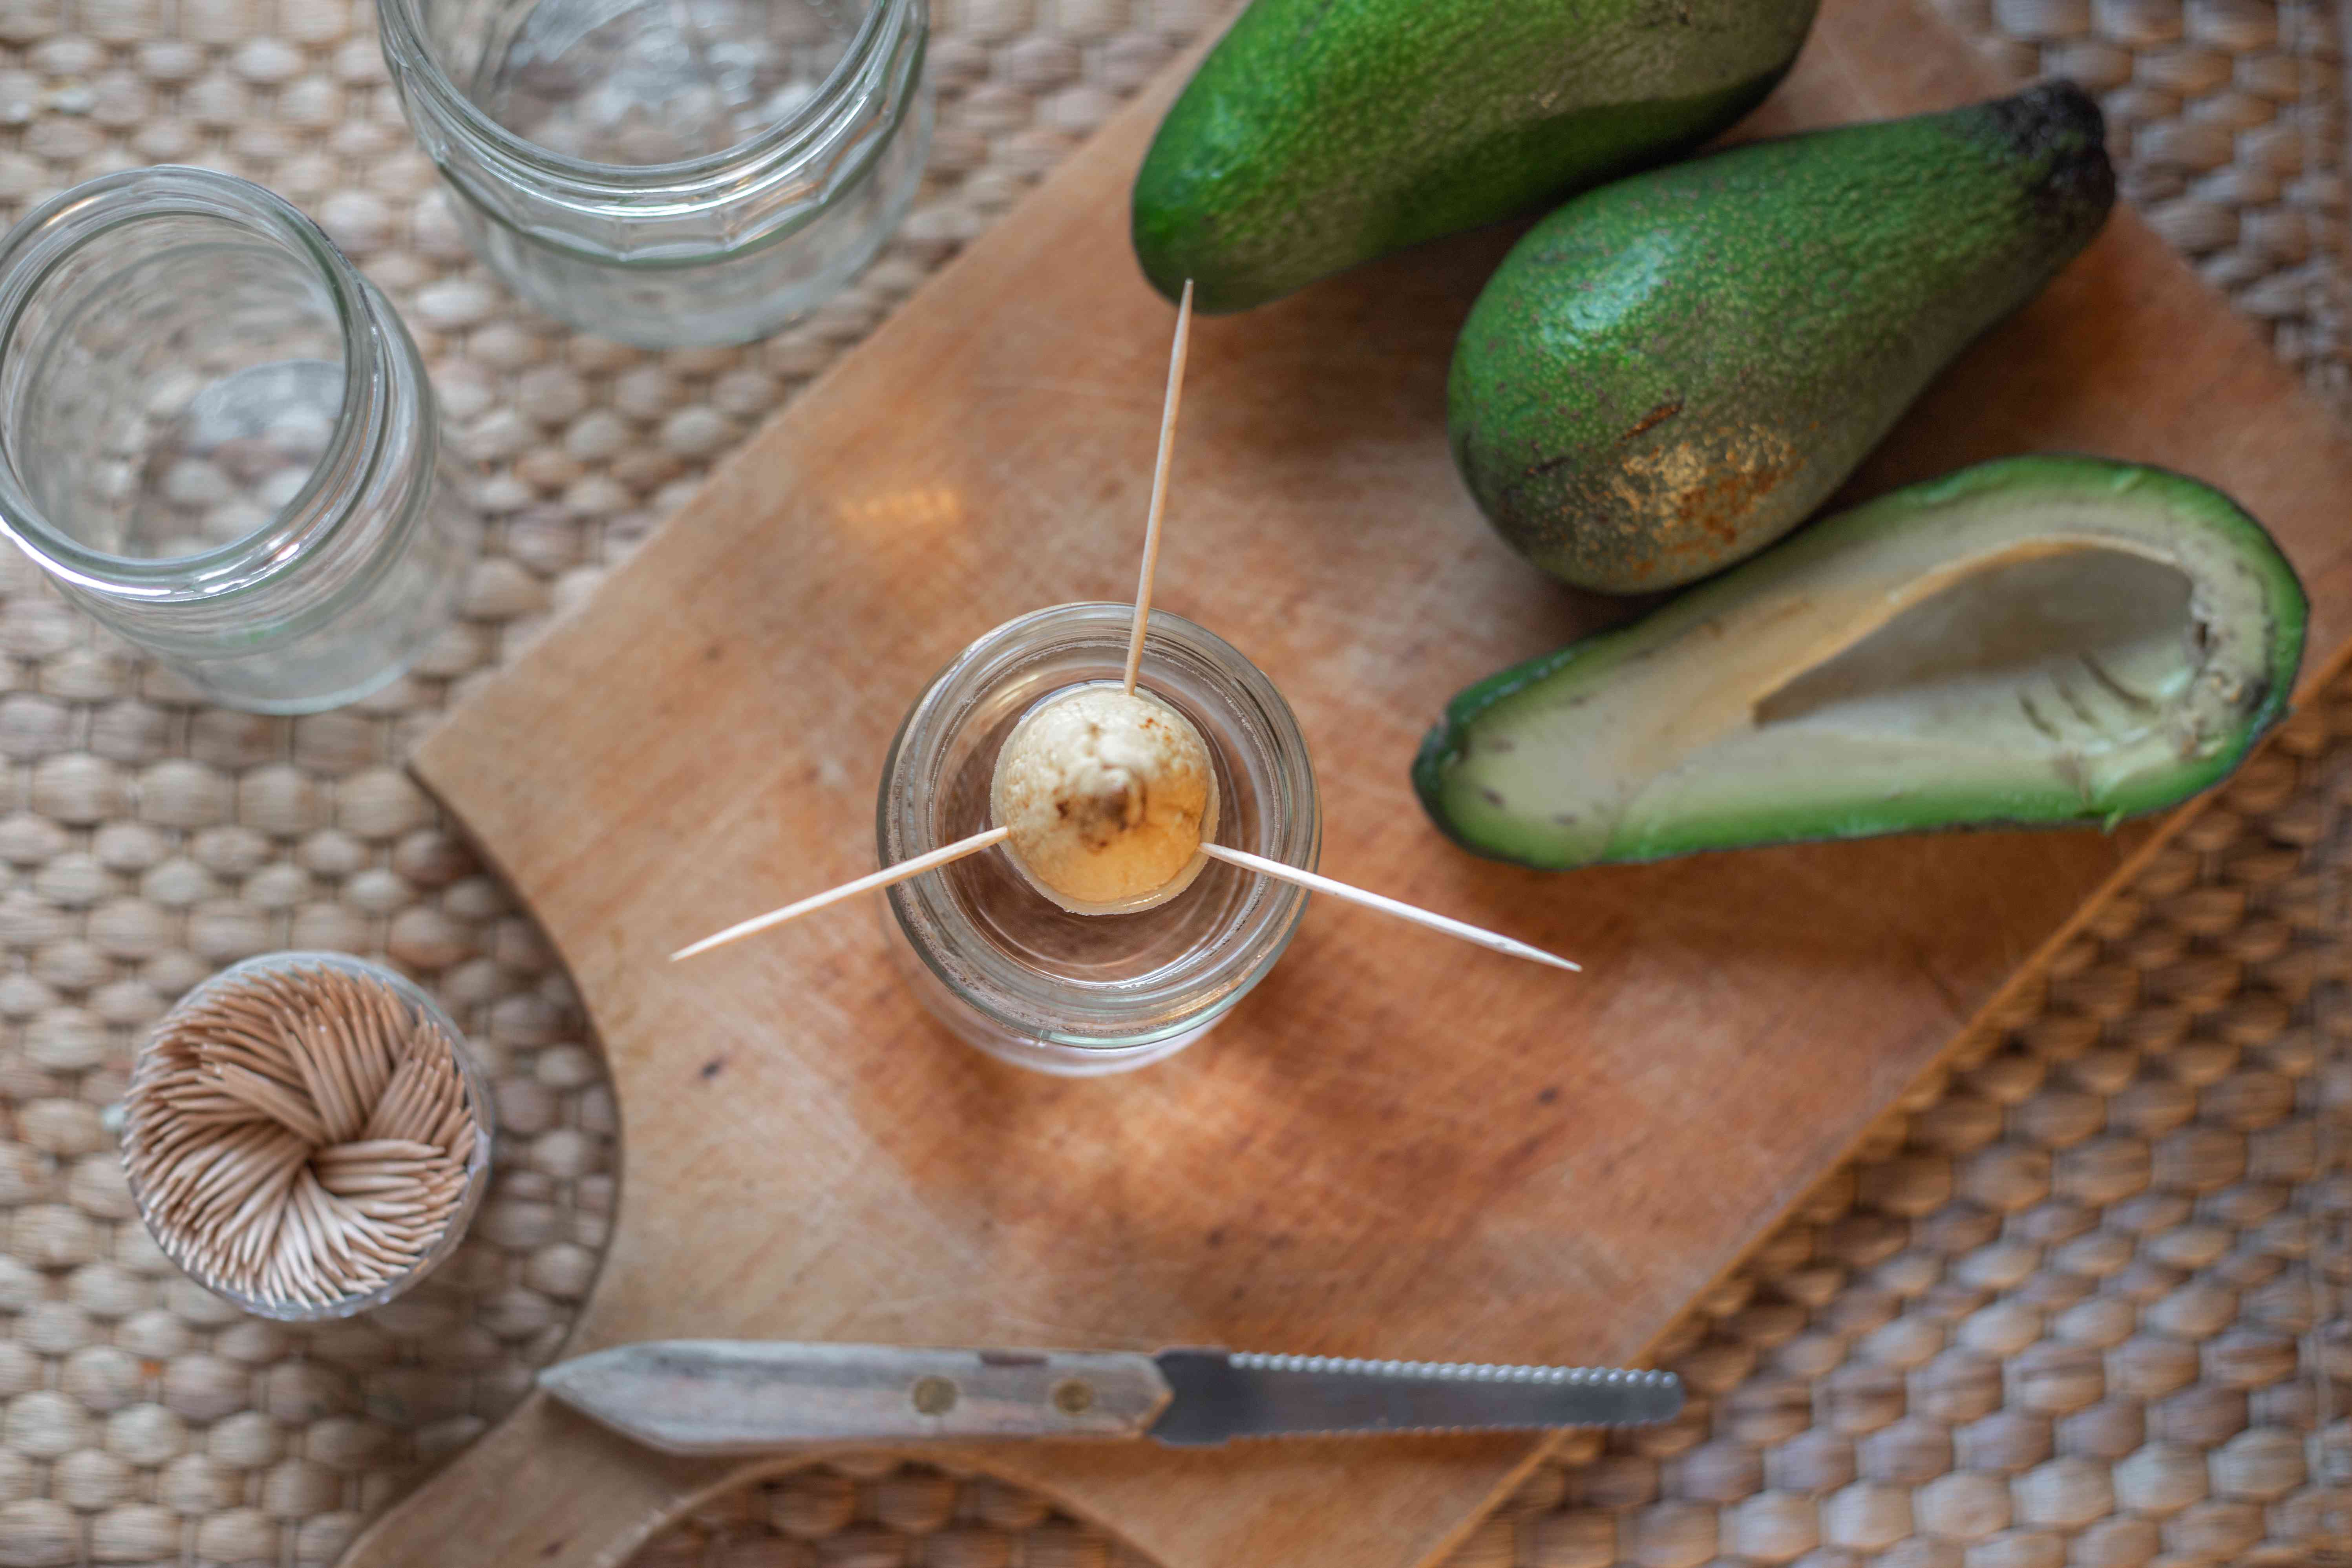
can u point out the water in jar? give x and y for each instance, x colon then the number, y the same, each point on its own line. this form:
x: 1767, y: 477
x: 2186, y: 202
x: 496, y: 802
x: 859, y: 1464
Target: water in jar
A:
x: 1093, y: 949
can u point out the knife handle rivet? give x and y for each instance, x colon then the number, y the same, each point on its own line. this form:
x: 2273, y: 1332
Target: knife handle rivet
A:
x: 1074, y: 1397
x: 934, y: 1395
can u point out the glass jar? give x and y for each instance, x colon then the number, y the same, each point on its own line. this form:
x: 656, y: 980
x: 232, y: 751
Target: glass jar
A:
x: 218, y: 438
x: 669, y: 172
x: 478, y: 1164
x: 1017, y: 975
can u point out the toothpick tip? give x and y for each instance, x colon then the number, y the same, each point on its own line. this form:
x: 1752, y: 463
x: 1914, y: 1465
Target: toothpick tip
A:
x: 870, y: 882
x: 1175, y: 395
x: 1478, y: 936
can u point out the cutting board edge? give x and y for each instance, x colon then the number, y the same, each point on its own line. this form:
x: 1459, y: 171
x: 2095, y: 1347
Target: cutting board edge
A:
x: 2308, y: 688
x: 726, y: 1476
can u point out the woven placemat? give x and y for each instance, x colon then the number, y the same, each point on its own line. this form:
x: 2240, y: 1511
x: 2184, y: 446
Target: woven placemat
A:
x: 2066, y: 1304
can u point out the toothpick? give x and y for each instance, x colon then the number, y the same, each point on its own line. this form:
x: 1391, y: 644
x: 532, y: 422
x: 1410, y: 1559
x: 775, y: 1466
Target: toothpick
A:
x: 865, y: 884
x: 1160, y: 483
x: 1492, y: 940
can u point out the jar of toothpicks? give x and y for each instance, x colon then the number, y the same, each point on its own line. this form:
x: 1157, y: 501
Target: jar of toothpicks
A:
x: 307, y: 1135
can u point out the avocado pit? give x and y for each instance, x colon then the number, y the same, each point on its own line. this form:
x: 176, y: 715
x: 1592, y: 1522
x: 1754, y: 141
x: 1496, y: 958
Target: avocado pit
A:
x: 1107, y: 796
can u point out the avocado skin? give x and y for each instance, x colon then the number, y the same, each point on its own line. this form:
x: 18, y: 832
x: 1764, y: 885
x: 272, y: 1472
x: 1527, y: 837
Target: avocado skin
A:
x: 1671, y: 371
x: 2039, y: 475
x: 1320, y: 134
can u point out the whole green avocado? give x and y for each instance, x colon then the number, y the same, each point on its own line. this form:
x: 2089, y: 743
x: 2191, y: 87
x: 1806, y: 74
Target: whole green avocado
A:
x: 1671, y: 371
x: 1320, y: 134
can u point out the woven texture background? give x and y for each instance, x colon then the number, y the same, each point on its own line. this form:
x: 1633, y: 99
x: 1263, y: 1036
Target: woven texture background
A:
x: 2068, y: 1307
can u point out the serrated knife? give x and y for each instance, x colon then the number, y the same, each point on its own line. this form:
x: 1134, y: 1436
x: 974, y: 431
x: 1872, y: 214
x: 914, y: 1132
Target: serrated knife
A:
x: 743, y: 1396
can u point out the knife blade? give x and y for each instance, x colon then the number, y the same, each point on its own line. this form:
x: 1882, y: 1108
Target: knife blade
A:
x: 742, y: 1397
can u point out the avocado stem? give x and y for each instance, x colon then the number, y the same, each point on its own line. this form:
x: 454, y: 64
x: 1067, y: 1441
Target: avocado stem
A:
x: 1160, y: 483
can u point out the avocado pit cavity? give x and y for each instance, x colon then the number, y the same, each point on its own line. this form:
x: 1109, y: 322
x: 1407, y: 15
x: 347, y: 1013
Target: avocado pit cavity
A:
x: 2041, y: 639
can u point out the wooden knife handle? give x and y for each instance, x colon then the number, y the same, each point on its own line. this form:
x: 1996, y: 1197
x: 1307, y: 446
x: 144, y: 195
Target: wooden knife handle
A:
x: 739, y: 1397
x: 547, y: 1488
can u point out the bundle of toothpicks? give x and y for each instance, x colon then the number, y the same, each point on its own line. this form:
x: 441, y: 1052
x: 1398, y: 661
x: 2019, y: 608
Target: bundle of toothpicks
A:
x: 299, y: 1137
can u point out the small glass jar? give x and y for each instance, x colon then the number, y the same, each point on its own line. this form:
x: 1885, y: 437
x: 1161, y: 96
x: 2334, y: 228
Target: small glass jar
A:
x: 218, y: 438
x: 478, y: 1163
x: 1011, y: 971
x: 669, y: 172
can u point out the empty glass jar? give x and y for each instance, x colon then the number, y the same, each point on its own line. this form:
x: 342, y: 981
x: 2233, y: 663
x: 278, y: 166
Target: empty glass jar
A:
x: 218, y: 438
x: 1019, y: 976
x: 669, y: 172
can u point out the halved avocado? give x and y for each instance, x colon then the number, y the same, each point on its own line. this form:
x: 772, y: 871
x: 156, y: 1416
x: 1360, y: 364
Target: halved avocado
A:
x: 2038, y: 639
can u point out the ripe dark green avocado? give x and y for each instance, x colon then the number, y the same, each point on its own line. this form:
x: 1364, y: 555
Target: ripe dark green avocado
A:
x: 1318, y: 135
x: 1671, y: 371
x: 2040, y: 639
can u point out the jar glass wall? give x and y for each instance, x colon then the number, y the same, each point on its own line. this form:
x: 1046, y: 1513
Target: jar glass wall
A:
x: 1013, y: 974
x: 218, y: 438
x: 669, y: 172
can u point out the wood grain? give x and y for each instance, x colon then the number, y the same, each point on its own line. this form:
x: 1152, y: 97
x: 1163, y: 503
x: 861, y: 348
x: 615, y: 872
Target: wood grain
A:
x: 1393, y: 1147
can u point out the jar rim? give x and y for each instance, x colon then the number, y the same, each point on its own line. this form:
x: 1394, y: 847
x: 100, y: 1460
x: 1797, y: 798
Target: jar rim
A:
x: 66, y: 224
x: 926, y: 913
x: 687, y: 183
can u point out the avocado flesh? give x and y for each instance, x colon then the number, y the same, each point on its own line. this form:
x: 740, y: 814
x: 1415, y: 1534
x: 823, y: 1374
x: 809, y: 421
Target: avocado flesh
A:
x: 1320, y: 134
x: 2035, y: 640
x: 1671, y: 371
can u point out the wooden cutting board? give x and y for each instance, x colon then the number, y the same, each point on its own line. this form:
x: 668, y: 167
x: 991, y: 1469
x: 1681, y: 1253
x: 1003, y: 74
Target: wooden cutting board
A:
x: 1395, y: 1146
